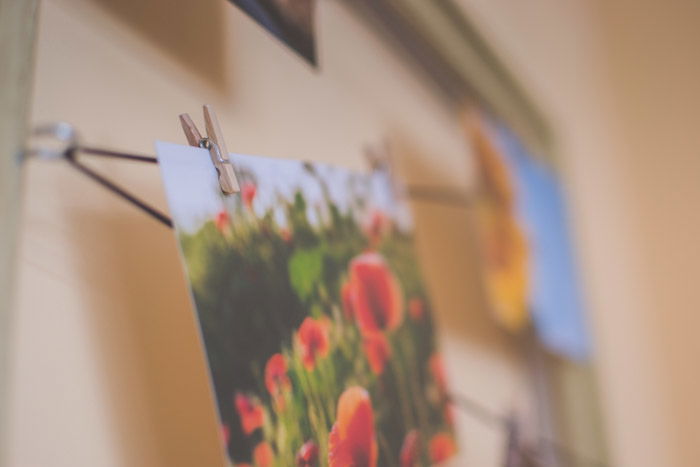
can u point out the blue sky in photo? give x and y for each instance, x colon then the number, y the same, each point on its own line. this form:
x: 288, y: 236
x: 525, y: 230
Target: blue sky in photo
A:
x: 194, y: 196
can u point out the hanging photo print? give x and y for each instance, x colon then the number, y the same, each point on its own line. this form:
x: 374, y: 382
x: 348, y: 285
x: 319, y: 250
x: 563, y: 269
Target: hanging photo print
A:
x: 529, y: 267
x: 316, y: 322
x: 291, y: 21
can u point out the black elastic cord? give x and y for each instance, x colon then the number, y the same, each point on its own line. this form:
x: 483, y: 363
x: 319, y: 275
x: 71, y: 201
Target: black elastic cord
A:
x: 430, y: 194
x: 114, y: 154
x: 478, y: 411
x: 502, y: 422
x: 71, y: 154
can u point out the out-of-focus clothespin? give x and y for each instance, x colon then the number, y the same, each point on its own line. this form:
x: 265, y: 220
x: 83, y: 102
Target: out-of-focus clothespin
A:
x: 214, y: 142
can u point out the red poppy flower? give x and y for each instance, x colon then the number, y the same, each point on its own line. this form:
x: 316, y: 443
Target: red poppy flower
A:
x: 346, y: 297
x: 416, y: 309
x: 263, y: 455
x: 250, y: 412
x: 377, y: 350
x: 437, y: 369
x: 442, y: 447
x: 223, y: 222
x: 248, y: 191
x: 313, y: 340
x: 307, y: 455
x: 375, y: 294
x: 351, y: 441
x: 276, y: 379
x: 410, y: 450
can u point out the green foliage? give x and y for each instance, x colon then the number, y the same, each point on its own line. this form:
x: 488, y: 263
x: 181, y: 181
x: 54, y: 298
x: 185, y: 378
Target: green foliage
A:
x: 305, y: 270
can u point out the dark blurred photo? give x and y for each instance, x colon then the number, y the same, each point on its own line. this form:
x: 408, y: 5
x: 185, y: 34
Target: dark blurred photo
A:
x: 290, y: 20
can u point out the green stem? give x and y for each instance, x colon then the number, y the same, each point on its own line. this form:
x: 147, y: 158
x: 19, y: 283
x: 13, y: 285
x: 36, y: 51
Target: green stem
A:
x: 400, y: 389
x: 384, y: 445
x: 418, y: 401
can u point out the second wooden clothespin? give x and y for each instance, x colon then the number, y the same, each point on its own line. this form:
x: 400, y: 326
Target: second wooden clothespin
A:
x: 214, y: 142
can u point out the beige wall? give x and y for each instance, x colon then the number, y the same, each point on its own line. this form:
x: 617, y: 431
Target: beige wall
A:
x: 107, y: 370
x: 655, y: 64
x: 619, y: 79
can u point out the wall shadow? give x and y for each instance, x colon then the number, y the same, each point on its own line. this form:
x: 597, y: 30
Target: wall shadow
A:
x: 190, y: 31
x: 148, y: 335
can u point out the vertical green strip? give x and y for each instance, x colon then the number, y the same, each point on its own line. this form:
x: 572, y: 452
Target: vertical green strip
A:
x: 17, y: 30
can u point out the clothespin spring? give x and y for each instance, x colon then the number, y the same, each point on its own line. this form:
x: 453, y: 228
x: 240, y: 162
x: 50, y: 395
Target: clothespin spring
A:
x: 214, y: 142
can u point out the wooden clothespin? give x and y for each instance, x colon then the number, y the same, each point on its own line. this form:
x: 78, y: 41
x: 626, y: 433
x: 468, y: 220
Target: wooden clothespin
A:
x: 214, y: 142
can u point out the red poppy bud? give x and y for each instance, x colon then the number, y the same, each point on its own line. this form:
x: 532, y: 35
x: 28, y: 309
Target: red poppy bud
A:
x: 410, y: 450
x: 352, y: 440
x: 376, y: 295
x: 307, y: 455
x: 248, y: 191
x: 251, y: 414
x: 263, y: 455
x: 223, y: 222
x: 442, y: 447
x: 416, y: 309
x: 276, y: 379
x: 377, y: 350
x: 313, y: 340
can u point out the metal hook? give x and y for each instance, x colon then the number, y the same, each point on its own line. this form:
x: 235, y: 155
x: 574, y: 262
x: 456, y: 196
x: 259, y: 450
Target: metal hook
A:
x: 64, y: 136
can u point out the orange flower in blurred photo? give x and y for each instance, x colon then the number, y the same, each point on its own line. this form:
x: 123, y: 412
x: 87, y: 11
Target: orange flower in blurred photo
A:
x: 505, y: 262
x: 276, y: 379
x: 502, y: 239
x: 442, y: 447
x: 378, y: 351
x: 263, y: 456
x: 250, y: 412
x: 313, y: 341
x: 352, y: 441
x: 410, y: 450
x: 375, y: 294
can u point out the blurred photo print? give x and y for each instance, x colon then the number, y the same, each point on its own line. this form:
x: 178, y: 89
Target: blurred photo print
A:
x: 316, y: 322
x: 528, y: 262
x: 291, y: 21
